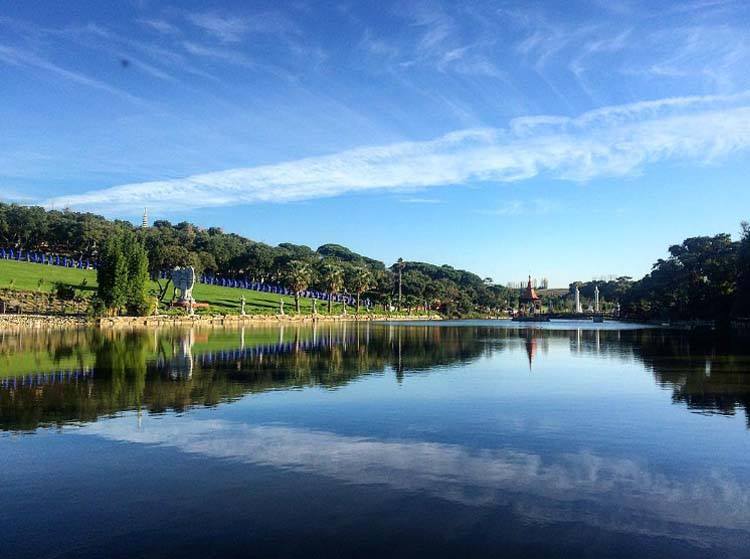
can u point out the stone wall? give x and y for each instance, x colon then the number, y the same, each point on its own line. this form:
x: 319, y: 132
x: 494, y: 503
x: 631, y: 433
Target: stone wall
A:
x: 35, y: 321
x: 38, y: 302
x: 41, y: 322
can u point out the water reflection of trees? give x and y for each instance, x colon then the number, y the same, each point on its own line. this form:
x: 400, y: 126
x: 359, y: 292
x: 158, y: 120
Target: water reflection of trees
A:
x: 89, y: 374
x: 708, y: 372
x: 168, y: 370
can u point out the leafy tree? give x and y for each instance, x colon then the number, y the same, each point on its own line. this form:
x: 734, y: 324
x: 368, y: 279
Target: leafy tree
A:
x: 742, y: 301
x: 697, y: 280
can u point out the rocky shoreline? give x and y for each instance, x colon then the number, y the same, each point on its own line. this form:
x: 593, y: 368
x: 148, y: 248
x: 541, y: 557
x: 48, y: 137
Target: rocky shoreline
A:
x: 10, y: 322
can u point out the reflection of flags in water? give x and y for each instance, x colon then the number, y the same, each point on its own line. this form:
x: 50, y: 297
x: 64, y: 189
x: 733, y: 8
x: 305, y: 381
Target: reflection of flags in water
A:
x: 58, y: 377
x: 225, y: 355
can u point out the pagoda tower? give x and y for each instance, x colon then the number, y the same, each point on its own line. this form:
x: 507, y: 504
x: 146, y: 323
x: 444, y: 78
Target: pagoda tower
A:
x: 529, y: 298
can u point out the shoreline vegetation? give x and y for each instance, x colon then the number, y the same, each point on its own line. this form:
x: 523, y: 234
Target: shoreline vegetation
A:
x: 112, y: 268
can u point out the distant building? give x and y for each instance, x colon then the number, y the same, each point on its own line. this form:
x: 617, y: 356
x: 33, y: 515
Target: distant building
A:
x: 144, y: 223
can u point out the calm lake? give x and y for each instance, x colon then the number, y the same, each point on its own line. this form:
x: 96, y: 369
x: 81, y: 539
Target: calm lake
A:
x: 385, y: 440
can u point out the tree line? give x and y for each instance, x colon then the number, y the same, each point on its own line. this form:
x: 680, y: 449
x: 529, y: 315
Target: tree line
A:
x: 705, y: 278
x: 331, y: 267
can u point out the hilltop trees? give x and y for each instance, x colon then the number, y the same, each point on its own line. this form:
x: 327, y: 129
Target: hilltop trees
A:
x: 212, y: 251
x: 697, y: 280
x: 122, y: 275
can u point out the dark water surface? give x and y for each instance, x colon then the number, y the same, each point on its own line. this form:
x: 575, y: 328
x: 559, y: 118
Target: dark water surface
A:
x: 458, y: 439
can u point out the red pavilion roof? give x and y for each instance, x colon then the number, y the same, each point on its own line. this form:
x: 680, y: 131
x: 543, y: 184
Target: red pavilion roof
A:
x: 530, y: 293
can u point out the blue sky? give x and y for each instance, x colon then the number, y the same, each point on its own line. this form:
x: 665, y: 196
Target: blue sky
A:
x: 562, y: 139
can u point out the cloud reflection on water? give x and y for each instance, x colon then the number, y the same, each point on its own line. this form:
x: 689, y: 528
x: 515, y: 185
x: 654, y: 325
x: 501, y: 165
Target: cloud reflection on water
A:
x: 606, y: 492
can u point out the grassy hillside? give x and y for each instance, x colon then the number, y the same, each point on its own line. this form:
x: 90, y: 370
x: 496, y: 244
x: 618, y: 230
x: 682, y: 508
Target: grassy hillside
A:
x: 26, y: 276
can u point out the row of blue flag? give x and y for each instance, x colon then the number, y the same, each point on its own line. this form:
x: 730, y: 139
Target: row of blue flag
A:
x: 38, y: 257
x: 276, y: 289
x: 42, y: 258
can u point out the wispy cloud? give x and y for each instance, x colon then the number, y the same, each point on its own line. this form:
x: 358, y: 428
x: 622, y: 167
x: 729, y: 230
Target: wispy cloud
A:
x: 608, y: 142
x: 417, y: 200
x: 230, y: 28
x: 219, y: 53
x: 227, y: 28
x: 23, y: 58
x: 537, y: 206
x: 161, y: 26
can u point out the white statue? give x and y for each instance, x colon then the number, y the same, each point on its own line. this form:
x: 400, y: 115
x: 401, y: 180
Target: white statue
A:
x: 184, y: 280
x: 579, y: 309
x: 596, y: 298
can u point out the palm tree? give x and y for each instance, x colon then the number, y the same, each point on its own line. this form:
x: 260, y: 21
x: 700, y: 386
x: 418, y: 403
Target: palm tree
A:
x: 333, y: 278
x: 361, y: 282
x: 400, y: 265
x: 298, y: 275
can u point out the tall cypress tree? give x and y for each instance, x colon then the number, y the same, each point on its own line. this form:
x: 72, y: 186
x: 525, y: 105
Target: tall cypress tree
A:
x: 137, y: 299
x: 112, y: 275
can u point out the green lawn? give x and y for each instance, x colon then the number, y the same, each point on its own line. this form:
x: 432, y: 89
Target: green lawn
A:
x: 27, y: 276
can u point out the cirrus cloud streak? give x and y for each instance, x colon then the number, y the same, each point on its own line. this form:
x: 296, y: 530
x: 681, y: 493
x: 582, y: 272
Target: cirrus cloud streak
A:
x: 614, y: 141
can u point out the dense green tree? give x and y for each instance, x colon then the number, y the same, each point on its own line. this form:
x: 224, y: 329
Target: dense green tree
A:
x: 122, y: 275
x: 137, y: 300
x: 697, y: 280
x: 742, y: 300
x: 112, y: 276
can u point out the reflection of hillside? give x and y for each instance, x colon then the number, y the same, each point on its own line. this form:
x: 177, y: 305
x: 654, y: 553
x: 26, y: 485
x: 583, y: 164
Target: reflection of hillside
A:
x: 80, y: 376
x: 157, y: 371
x: 707, y: 372
x: 37, y: 352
